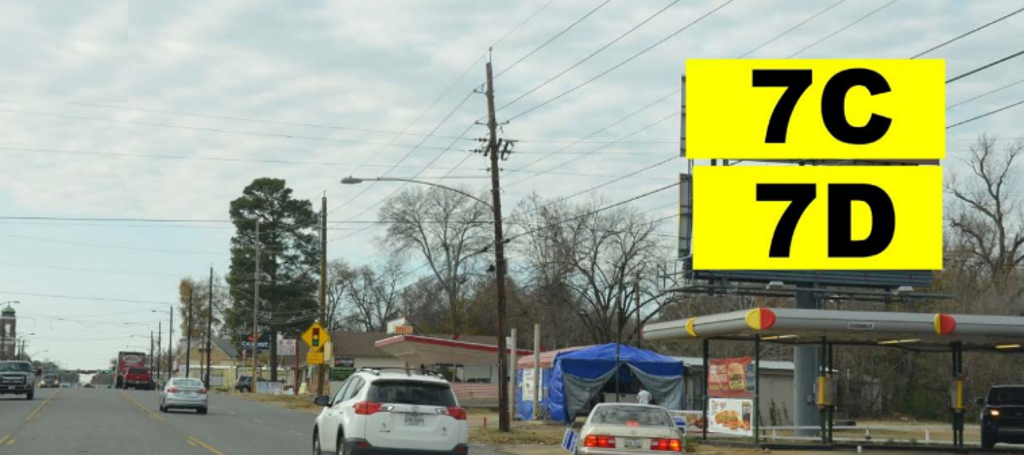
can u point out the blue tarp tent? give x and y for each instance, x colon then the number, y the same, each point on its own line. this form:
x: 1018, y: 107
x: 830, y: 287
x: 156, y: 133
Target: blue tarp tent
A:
x: 578, y: 376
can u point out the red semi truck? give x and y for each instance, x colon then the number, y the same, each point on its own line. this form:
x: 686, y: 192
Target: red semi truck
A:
x: 130, y: 366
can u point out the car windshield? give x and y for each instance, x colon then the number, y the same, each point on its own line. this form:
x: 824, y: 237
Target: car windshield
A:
x: 637, y: 416
x: 411, y: 392
x: 190, y: 383
x: 16, y: 366
x: 1006, y: 396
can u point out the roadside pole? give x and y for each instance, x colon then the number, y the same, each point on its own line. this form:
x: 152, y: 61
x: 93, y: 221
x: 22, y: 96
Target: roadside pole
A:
x: 209, y: 330
x: 536, y: 371
x: 323, y: 288
x: 188, y: 336
x: 256, y: 315
x: 499, y: 255
x: 513, y: 373
x: 170, y: 345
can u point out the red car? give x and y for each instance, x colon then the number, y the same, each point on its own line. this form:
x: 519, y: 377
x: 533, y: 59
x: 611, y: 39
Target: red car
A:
x: 139, y: 378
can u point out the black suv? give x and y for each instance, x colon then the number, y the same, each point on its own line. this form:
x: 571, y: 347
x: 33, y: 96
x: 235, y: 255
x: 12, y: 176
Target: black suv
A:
x: 1002, y: 419
x: 244, y: 383
x: 17, y: 378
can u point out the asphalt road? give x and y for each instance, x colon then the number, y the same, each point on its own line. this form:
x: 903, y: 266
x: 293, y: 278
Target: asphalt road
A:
x: 105, y: 421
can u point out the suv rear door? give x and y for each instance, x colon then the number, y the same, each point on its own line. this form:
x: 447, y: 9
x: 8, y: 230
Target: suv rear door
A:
x: 413, y: 415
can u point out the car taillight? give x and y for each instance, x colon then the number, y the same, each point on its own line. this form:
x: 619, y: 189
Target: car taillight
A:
x: 173, y: 390
x: 367, y: 407
x: 672, y: 445
x: 457, y: 413
x: 599, y: 441
x: 202, y: 391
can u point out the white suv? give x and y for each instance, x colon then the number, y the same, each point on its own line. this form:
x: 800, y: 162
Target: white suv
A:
x: 380, y: 411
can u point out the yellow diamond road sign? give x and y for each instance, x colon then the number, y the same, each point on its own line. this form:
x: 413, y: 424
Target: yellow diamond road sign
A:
x: 316, y: 337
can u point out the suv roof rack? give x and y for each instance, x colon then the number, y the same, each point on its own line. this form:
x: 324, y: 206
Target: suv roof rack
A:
x: 408, y: 371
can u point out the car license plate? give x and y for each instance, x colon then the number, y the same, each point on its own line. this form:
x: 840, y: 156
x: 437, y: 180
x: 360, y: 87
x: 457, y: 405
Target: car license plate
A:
x: 414, y: 419
x: 632, y: 443
x: 8, y: 387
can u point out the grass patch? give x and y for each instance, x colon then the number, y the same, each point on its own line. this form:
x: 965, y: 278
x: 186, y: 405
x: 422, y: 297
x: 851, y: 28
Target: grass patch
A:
x: 302, y: 403
x: 520, y: 434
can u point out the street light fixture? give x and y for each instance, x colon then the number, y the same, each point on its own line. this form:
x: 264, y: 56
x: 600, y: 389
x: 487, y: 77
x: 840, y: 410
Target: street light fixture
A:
x: 357, y: 180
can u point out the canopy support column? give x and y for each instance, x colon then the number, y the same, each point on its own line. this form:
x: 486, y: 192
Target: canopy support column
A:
x: 704, y: 391
x: 956, y: 395
x: 823, y: 409
x: 757, y: 390
x: 832, y: 405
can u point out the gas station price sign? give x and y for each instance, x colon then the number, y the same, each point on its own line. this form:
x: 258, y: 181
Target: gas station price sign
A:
x: 832, y: 217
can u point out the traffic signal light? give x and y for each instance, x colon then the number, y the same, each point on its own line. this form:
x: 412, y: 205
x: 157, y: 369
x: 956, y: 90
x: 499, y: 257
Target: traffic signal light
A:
x: 316, y: 337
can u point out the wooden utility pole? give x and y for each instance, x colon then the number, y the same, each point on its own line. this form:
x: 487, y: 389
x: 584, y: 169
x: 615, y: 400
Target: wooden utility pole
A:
x: 323, y: 290
x: 170, y: 344
x: 209, y: 331
x: 499, y: 256
x: 536, y: 371
x: 188, y: 335
x: 639, y: 331
x: 256, y: 315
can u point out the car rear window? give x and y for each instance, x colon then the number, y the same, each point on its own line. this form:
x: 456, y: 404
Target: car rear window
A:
x: 137, y: 371
x: 188, y: 383
x: 1006, y: 396
x: 632, y: 415
x: 411, y: 392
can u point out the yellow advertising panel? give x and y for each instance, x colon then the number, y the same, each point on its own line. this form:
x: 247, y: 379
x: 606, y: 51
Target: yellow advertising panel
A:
x: 824, y: 218
x: 815, y: 109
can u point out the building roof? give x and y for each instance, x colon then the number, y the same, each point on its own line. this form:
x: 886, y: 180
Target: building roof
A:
x: 920, y: 331
x: 425, y: 350
x: 9, y: 311
x: 362, y: 344
x: 546, y: 358
x: 223, y: 344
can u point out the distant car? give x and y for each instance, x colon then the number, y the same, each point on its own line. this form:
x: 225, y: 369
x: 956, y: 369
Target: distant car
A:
x: 139, y: 378
x: 182, y: 393
x: 49, y: 381
x: 17, y: 378
x: 244, y: 383
x: 1002, y: 418
x: 613, y: 428
x: 377, y: 411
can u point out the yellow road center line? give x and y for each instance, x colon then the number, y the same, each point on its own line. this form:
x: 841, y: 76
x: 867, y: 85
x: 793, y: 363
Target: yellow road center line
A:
x: 45, y: 402
x: 11, y: 442
x: 143, y: 407
x: 4, y: 439
x: 205, y: 445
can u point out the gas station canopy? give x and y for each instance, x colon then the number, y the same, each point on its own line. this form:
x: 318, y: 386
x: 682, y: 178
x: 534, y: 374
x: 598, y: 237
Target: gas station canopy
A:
x: 921, y: 331
x: 421, y: 350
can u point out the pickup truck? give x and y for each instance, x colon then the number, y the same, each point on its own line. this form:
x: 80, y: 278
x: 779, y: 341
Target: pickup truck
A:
x: 50, y: 380
x: 138, y: 378
x: 1002, y: 417
x: 17, y: 378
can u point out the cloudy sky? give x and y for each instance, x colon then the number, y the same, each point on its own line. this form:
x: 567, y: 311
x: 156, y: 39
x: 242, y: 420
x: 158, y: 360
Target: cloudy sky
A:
x: 166, y: 110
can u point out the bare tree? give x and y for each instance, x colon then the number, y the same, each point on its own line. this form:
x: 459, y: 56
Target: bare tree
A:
x: 986, y: 214
x: 449, y: 230
x: 601, y: 262
x: 374, y: 295
x: 339, y: 276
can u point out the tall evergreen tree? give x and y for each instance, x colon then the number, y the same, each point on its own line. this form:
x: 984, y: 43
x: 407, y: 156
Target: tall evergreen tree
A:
x: 289, y: 259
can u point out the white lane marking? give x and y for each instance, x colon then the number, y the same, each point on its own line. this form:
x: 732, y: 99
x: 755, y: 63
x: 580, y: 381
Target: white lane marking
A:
x: 257, y: 421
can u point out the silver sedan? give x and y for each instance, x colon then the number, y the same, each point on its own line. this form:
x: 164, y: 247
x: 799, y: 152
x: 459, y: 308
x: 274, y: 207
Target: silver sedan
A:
x: 181, y: 393
x: 613, y: 429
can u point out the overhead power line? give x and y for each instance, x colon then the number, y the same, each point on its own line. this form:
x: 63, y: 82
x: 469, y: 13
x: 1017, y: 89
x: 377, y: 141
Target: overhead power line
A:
x: 552, y: 39
x: 84, y: 297
x: 112, y: 247
x: 206, y: 129
x: 968, y: 100
x: 992, y: 112
x: 967, y: 33
x: 519, y: 25
x: 588, y: 57
x: 800, y: 24
x: 624, y: 62
x: 986, y: 66
x: 841, y: 30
